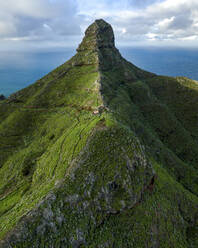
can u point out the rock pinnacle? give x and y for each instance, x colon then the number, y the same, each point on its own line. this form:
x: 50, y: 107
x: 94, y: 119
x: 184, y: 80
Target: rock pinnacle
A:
x: 98, y: 35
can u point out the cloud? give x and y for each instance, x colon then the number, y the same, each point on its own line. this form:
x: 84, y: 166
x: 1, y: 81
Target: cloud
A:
x: 51, y: 23
x: 160, y: 21
x: 37, y: 18
x: 142, y: 19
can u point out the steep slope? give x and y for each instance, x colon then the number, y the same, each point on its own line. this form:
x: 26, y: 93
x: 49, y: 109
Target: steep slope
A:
x: 100, y: 153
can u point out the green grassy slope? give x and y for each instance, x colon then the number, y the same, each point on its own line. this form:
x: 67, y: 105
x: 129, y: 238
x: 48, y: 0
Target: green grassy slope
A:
x: 162, y: 112
x: 100, y: 153
x: 42, y: 135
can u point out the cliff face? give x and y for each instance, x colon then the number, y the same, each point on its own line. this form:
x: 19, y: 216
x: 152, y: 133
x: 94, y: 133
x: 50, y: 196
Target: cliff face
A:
x: 100, y: 153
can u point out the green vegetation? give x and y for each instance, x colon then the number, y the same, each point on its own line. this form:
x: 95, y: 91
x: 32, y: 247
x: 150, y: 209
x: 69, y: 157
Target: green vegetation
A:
x: 100, y: 153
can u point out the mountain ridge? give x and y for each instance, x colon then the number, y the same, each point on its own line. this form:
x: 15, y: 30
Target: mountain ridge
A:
x: 100, y: 153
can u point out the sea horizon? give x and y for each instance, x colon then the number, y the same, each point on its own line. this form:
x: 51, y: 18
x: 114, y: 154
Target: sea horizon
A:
x: 20, y: 69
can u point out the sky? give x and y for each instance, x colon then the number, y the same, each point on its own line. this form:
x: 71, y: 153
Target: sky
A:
x: 53, y: 24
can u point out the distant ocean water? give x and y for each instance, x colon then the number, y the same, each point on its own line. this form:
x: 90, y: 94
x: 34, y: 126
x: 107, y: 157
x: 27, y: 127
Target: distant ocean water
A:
x: 18, y: 70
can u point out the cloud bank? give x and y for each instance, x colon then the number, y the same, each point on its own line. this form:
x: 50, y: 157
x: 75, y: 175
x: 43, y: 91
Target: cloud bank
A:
x: 60, y: 23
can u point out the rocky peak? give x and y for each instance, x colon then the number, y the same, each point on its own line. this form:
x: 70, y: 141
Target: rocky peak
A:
x: 98, y: 47
x: 98, y: 35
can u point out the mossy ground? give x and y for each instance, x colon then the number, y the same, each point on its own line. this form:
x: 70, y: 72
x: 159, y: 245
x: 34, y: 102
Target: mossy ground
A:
x: 91, y: 209
x: 41, y: 136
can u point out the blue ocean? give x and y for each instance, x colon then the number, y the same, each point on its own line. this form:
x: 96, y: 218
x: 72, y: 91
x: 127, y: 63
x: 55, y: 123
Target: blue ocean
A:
x: 18, y: 70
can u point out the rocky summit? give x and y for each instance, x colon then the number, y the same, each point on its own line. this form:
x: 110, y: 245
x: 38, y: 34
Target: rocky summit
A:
x: 99, y: 153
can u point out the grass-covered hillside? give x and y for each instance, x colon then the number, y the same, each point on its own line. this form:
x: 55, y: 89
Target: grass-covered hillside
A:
x: 100, y: 153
